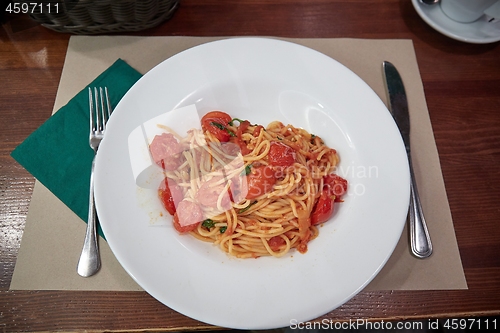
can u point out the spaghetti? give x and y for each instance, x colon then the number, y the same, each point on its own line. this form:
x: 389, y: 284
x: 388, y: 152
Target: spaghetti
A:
x: 251, y: 190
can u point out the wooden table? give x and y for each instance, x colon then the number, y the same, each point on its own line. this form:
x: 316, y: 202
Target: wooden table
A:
x: 462, y: 86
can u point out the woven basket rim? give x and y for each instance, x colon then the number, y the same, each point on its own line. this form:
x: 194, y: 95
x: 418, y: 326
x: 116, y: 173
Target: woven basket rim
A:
x: 113, y: 16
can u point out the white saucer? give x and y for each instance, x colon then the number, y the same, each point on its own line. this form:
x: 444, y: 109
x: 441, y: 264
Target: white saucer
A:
x: 477, y: 32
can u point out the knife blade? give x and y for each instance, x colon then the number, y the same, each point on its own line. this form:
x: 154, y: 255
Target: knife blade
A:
x: 420, y: 242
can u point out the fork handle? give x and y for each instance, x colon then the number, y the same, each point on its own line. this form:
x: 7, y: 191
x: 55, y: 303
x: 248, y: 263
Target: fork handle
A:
x: 90, y: 260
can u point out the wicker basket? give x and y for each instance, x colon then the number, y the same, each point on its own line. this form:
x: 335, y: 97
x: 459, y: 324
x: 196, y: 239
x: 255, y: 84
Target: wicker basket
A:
x: 103, y: 16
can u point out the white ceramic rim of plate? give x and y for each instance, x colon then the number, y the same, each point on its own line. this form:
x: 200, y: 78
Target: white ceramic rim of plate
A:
x: 197, y: 279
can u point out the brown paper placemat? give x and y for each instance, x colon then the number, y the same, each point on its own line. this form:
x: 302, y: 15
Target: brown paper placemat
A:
x: 53, y: 235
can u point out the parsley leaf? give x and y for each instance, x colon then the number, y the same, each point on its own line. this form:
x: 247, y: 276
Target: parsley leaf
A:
x: 208, y: 223
x: 231, y: 123
x: 219, y: 126
x: 247, y: 207
x: 222, y: 128
x: 247, y: 170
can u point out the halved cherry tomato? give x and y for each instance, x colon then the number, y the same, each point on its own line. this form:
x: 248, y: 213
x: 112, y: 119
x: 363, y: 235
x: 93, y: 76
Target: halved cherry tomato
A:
x: 187, y: 217
x: 260, y: 180
x: 335, y: 185
x: 170, y: 195
x: 323, y: 209
x: 165, y: 151
x: 280, y: 154
x: 183, y: 229
x: 276, y: 242
x: 216, y: 123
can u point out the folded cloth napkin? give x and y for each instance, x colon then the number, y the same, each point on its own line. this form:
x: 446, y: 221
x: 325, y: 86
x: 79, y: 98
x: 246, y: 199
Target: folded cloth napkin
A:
x: 58, y: 152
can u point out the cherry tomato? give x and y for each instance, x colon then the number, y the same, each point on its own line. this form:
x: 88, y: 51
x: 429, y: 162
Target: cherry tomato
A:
x: 275, y: 243
x: 256, y: 131
x: 323, y: 209
x: 238, y: 140
x: 187, y: 217
x: 216, y: 123
x: 260, y: 180
x: 280, y: 154
x: 165, y: 151
x: 170, y: 195
x: 242, y: 128
x: 183, y: 229
x: 335, y: 185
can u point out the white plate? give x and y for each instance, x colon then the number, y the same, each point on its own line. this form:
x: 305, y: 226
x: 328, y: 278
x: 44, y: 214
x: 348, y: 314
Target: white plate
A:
x: 477, y: 32
x: 261, y: 80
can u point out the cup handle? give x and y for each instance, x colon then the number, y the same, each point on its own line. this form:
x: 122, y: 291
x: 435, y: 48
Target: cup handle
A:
x: 493, y: 13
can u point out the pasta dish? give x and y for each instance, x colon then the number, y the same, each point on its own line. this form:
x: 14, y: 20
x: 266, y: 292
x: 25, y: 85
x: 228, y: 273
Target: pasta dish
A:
x: 252, y: 190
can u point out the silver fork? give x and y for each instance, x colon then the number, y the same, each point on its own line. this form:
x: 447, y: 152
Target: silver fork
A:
x: 100, y: 110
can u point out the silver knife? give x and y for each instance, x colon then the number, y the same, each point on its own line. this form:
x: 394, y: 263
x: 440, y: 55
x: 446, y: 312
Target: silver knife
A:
x: 420, y: 240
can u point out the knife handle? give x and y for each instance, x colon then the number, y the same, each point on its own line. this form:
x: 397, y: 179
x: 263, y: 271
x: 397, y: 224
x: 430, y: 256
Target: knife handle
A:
x: 420, y: 240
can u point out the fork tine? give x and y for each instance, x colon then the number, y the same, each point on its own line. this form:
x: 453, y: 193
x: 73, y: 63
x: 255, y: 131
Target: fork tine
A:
x: 91, y: 108
x: 101, y: 104
x: 108, y: 104
x: 98, y: 110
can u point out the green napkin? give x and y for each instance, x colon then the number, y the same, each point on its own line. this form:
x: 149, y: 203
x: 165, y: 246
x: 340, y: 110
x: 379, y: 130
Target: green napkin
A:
x: 58, y: 152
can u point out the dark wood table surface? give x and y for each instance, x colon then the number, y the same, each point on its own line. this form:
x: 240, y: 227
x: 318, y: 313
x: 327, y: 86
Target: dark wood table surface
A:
x: 462, y: 87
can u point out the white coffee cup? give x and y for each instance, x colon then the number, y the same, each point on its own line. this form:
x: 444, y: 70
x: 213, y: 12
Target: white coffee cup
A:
x: 466, y: 11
